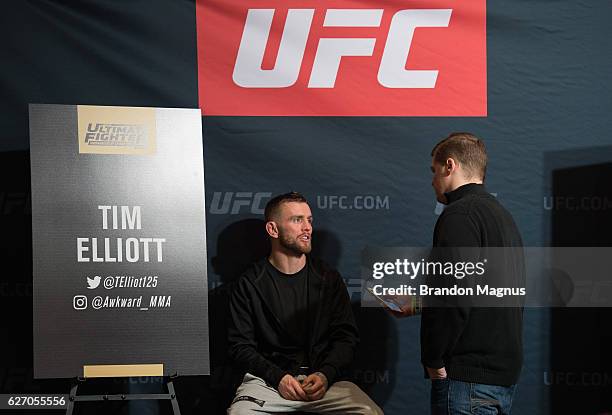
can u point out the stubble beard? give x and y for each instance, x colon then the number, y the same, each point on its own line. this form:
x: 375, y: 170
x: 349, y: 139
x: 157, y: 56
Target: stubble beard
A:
x: 294, y: 246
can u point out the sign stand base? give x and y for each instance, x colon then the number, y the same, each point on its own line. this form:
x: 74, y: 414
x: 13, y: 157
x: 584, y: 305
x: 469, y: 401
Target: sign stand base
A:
x: 171, y: 395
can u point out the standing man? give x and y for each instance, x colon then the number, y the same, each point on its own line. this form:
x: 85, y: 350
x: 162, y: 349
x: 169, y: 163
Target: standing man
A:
x: 291, y: 325
x: 473, y: 355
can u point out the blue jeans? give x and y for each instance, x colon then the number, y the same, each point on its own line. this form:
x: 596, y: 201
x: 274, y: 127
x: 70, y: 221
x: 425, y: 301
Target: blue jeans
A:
x: 453, y: 397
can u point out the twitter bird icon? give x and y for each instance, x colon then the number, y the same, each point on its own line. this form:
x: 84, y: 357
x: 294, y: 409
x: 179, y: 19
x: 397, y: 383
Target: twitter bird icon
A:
x: 92, y: 283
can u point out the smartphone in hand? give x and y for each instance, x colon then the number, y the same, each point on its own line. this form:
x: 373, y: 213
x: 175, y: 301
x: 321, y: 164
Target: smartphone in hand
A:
x: 386, y: 302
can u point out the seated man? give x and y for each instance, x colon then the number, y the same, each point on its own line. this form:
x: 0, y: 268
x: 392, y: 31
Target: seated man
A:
x: 291, y: 326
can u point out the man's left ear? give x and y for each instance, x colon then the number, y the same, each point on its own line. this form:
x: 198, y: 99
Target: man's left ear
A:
x: 451, y: 165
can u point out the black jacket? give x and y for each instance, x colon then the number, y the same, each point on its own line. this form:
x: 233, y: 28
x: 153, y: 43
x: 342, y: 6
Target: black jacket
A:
x: 476, y: 344
x: 262, y: 346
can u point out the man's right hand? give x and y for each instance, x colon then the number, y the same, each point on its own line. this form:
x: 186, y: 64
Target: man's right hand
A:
x: 290, y: 389
x: 436, y: 374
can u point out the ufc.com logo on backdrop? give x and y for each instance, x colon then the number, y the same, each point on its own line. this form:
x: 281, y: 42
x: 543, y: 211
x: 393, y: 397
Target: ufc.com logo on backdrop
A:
x: 342, y: 57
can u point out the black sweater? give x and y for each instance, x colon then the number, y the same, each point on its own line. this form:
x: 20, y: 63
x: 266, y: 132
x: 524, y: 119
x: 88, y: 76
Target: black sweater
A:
x: 476, y: 344
x: 263, y: 345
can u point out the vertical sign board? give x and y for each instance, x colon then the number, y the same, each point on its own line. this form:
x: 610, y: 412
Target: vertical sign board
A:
x: 119, y: 244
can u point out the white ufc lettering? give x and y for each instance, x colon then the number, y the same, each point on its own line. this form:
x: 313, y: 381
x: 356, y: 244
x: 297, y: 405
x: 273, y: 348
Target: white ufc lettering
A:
x: 391, y: 74
x: 248, y: 72
x: 330, y: 51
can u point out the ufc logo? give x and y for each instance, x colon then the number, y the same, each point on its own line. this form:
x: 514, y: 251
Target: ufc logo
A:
x: 231, y: 203
x: 391, y: 72
x: 348, y: 58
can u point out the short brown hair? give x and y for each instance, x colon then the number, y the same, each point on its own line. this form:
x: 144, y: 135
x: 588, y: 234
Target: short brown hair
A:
x: 467, y: 149
x: 273, y: 204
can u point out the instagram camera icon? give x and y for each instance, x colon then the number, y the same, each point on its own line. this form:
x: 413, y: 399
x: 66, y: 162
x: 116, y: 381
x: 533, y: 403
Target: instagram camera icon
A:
x: 79, y: 302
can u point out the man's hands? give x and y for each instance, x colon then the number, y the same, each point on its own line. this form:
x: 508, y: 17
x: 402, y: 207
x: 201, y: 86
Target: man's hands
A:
x: 290, y: 389
x: 312, y: 388
x: 406, y: 306
x: 315, y: 386
x: 436, y: 373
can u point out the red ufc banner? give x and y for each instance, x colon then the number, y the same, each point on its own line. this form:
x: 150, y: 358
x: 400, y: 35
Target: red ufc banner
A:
x: 342, y: 57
